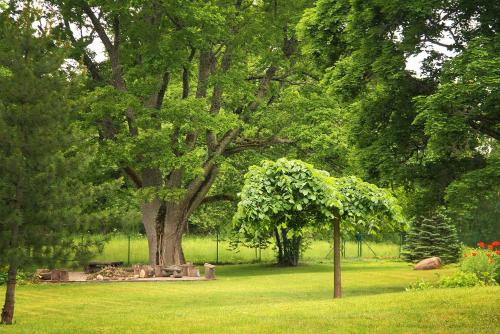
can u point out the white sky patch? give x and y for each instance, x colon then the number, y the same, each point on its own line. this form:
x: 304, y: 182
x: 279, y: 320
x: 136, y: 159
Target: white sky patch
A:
x: 98, y: 49
x: 414, y: 62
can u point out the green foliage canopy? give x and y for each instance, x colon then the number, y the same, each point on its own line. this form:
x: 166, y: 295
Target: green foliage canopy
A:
x: 292, y: 194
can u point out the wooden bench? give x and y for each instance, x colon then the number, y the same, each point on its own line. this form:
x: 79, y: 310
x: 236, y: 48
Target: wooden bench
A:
x: 93, y: 267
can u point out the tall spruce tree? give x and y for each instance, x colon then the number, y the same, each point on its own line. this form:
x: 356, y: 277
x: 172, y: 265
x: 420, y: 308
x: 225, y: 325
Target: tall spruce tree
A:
x: 43, y: 200
x: 432, y: 236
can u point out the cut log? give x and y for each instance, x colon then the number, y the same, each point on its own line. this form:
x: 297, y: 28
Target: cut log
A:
x: 190, y: 270
x: 209, y: 271
x: 185, y: 268
x: 136, y: 268
x: 43, y: 274
x: 59, y: 275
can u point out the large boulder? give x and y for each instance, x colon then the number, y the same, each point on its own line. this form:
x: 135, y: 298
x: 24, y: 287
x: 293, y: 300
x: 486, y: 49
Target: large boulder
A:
x: 430, y: 263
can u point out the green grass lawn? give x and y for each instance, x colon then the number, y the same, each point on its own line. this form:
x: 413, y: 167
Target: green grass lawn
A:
x: 203, y: 249
x: 262, y: 298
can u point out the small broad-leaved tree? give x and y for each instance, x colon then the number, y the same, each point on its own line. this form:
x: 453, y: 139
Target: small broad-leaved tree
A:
x: 285, y: 197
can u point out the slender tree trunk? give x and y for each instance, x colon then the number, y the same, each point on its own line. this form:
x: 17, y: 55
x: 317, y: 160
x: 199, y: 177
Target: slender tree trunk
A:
x: 279, y: 245
x: 337, y: 287
x: 288, y: 248
x: 8, y: 307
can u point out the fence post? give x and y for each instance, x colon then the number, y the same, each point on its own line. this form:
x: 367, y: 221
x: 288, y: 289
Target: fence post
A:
x: 128, y: 251
x: 402, y: 240
x: 217, y: 247
x: 359, y: 238
x: 360, y: 245
x: 343, y: 242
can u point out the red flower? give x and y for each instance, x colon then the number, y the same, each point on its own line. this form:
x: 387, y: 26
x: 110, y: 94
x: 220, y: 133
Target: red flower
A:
x: 490, y: 247
x: 465, y: 254
x: 480, y: 244
x: 498, y: 252
x: 495, y: 243
x: 488, y: 254
x: 474, y: 253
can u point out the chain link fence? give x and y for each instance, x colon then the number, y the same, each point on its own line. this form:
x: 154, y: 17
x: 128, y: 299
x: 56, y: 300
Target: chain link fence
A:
x: 217, y: 249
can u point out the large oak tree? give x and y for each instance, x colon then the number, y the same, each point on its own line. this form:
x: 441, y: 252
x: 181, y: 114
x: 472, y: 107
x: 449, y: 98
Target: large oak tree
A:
x: 178, y: 92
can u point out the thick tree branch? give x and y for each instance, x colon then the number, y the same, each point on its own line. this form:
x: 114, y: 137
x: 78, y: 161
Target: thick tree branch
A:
x: 485, y: 129
x: 217, y: 100
x: 197, y: 198
x: 204, y: 66
x: 433, y: 41
x: 185, y: 74
x: 209, y: 164
x: 87, y: 61
x: 175, y: 21
x: 161, y: 92
x: 218, y: 198
x: 132, y: 174
x: 263, y: 88
x: 256, y: 143
x: 99, y: 28
x: 111, y: 49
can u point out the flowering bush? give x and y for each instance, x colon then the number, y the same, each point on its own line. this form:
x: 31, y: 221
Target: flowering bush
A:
x: 483, y: 261
x: 479, y: 267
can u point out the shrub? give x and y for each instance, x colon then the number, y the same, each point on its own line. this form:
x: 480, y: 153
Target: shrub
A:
x: 420, y: 285
x: 459, y: 280
x: 22, y: 278
x: 483, y: 261
x: 432, y: 236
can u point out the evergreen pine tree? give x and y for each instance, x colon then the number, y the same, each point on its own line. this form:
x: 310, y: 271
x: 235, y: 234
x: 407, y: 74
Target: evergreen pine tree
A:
x: 44, y: 200
x: 432, y: 236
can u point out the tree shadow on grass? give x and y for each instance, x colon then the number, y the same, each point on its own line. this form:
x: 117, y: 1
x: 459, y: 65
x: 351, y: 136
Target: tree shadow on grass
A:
x: 304, y: 268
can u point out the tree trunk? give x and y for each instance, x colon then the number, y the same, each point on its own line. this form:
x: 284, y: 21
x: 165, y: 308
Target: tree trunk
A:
x: 337, y: 287
x: 288, y: 249
x: 170, y: 247
x: 149, y: 214
x: 8, y: 307
x: 278, y: 244
x: 150, y: 211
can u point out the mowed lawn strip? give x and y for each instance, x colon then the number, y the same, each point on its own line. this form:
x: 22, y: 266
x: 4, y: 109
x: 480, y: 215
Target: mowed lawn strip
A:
x: 262, y: 299
x: 203, y: 249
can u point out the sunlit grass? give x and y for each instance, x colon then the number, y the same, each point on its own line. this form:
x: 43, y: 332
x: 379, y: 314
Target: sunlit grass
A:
x: 262, y: 298
x: 203, y: 249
